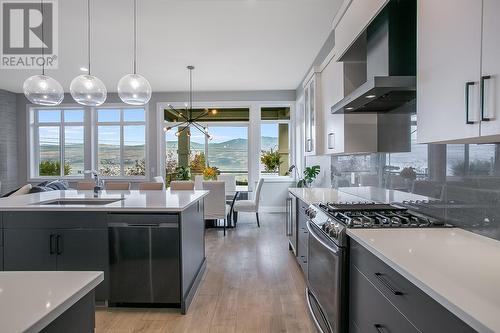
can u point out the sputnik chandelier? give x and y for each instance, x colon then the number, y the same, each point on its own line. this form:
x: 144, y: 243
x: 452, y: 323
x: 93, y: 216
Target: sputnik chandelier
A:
x: 188, y: 120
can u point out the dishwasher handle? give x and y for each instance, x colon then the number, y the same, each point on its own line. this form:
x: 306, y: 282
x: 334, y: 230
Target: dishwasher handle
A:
x: 142, y: 225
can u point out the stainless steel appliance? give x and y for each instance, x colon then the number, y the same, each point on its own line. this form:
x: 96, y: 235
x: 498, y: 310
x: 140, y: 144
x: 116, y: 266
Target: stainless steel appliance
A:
x: 327, y: 223
x: 144, y: 261
x: 291, y: 222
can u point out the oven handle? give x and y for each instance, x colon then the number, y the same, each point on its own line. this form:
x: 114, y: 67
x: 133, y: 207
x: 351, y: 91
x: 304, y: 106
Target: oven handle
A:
x: 313, y: 233
x: 316, y: 323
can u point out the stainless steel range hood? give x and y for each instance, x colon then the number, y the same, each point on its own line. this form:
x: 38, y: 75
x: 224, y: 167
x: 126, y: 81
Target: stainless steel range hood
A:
x: 390, y: 62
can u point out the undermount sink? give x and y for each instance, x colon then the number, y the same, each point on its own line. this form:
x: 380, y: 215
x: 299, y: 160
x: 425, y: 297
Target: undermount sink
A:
x: 90, y: 201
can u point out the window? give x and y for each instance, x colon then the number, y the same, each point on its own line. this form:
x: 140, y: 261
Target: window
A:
x: 275, y: 141
x: 228, y: 150
x: 58, y: 137
x: 121, y: 142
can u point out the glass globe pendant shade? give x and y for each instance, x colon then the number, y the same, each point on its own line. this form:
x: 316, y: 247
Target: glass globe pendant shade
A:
x: 134, y: 89
x: 88, y: 90
x: 43, y: 90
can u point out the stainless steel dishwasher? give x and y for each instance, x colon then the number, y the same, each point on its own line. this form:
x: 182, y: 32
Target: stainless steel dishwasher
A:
x: 144, y: 259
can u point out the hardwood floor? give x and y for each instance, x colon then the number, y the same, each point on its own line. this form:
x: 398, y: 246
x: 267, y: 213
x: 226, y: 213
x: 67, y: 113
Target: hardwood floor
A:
x: 252, y: 284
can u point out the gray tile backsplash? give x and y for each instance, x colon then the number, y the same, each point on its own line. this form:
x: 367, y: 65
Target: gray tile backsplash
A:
x: 8, y: 142
x: 463, y: 180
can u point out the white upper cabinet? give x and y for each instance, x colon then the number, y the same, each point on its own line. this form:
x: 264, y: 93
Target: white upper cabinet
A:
x: 454, y: 39
x: 332, y: 91
x: 491, y: 69
x: 354, y: 21
x: 313, y: 118
x: 344, y: 133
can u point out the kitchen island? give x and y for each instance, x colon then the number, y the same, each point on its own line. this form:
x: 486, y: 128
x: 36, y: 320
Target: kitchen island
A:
x: 149, y: 244
x: 48, y: 302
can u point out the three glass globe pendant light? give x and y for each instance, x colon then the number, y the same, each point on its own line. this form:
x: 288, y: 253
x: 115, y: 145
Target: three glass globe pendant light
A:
x: 87, y: 89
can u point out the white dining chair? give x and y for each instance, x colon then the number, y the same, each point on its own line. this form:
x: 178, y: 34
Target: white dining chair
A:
x: 230, y: 182
x: 198, y: 182
x: 150, y: 186
x: 249, y: 206
x: 84, y: 186
x: 215, y: 202
x: 159, y: 179
x: 112, y: 186
x: 181, y: 185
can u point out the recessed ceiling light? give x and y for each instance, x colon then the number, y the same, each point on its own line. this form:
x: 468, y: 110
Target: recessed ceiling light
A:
x: 371, y: 96
x: 349, y: 108
x: 84, y: 69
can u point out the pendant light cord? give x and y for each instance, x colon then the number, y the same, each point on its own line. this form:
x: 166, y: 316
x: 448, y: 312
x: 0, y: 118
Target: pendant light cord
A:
x: 88, y: 31
x: 135, y: 36
x: 42, y: 48
x: 190, y: 93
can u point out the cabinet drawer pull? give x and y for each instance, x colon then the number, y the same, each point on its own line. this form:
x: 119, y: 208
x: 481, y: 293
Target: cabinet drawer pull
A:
x: 467, y: 88
x: 483, y: 78
x: 52, y: 243
x: 379, y: 328
x: 59, y: 244
x: 386, y: 284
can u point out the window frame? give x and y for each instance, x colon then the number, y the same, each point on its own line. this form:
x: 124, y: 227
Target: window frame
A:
x: 90, y: 142
x: 34, y: 151
x: 290, y: 145
x: 122, y: 123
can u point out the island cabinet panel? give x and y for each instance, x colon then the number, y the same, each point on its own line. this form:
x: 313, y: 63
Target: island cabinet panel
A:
x: 192, y: 251
x: 372, y: 279
x: 30, y: 250
x: 1, y: 242
x: 64, y: 241
x: 54, y: 220
x: 84, y: 250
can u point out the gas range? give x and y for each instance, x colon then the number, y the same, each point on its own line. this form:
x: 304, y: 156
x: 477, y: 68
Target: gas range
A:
x: 334, y: 218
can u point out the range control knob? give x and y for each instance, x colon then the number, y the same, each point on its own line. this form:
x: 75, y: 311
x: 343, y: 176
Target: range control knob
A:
x: 312, y: 213
x: 307, y: 211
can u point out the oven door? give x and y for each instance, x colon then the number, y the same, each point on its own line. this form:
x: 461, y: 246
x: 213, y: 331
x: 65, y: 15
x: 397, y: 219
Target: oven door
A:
x: 326, y: 264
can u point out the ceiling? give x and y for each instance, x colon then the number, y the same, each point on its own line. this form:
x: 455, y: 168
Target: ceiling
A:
x: 234, y: 44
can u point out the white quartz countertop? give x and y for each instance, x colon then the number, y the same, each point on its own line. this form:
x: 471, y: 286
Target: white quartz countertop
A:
x: 318, y: 194
x: 161, y: 201
x: 457, y: 268
x: 379, y: 194
x: 29, y: 301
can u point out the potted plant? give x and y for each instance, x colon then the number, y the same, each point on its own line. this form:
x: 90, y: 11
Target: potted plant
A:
x: 183, y: 173
x: 310, y: 174
x: 271, y: 160
x: 210, y: 173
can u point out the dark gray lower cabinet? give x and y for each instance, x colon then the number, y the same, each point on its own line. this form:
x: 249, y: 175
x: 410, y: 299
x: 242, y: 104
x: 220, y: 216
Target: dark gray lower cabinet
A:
x: 302, y: 236
x: 85, y: 250
x: 30, y: 250
x: 372, y: 311
x: 383, y: 300
x: 47, y: 241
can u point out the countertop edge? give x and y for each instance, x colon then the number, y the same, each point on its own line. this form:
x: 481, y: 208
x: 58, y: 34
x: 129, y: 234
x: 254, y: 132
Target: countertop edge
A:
x: 104, y: 208
x: 457, y: 311
x: 48, y: 318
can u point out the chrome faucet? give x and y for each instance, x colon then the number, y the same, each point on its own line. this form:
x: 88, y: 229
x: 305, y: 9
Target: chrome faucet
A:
x: 98, y: 182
